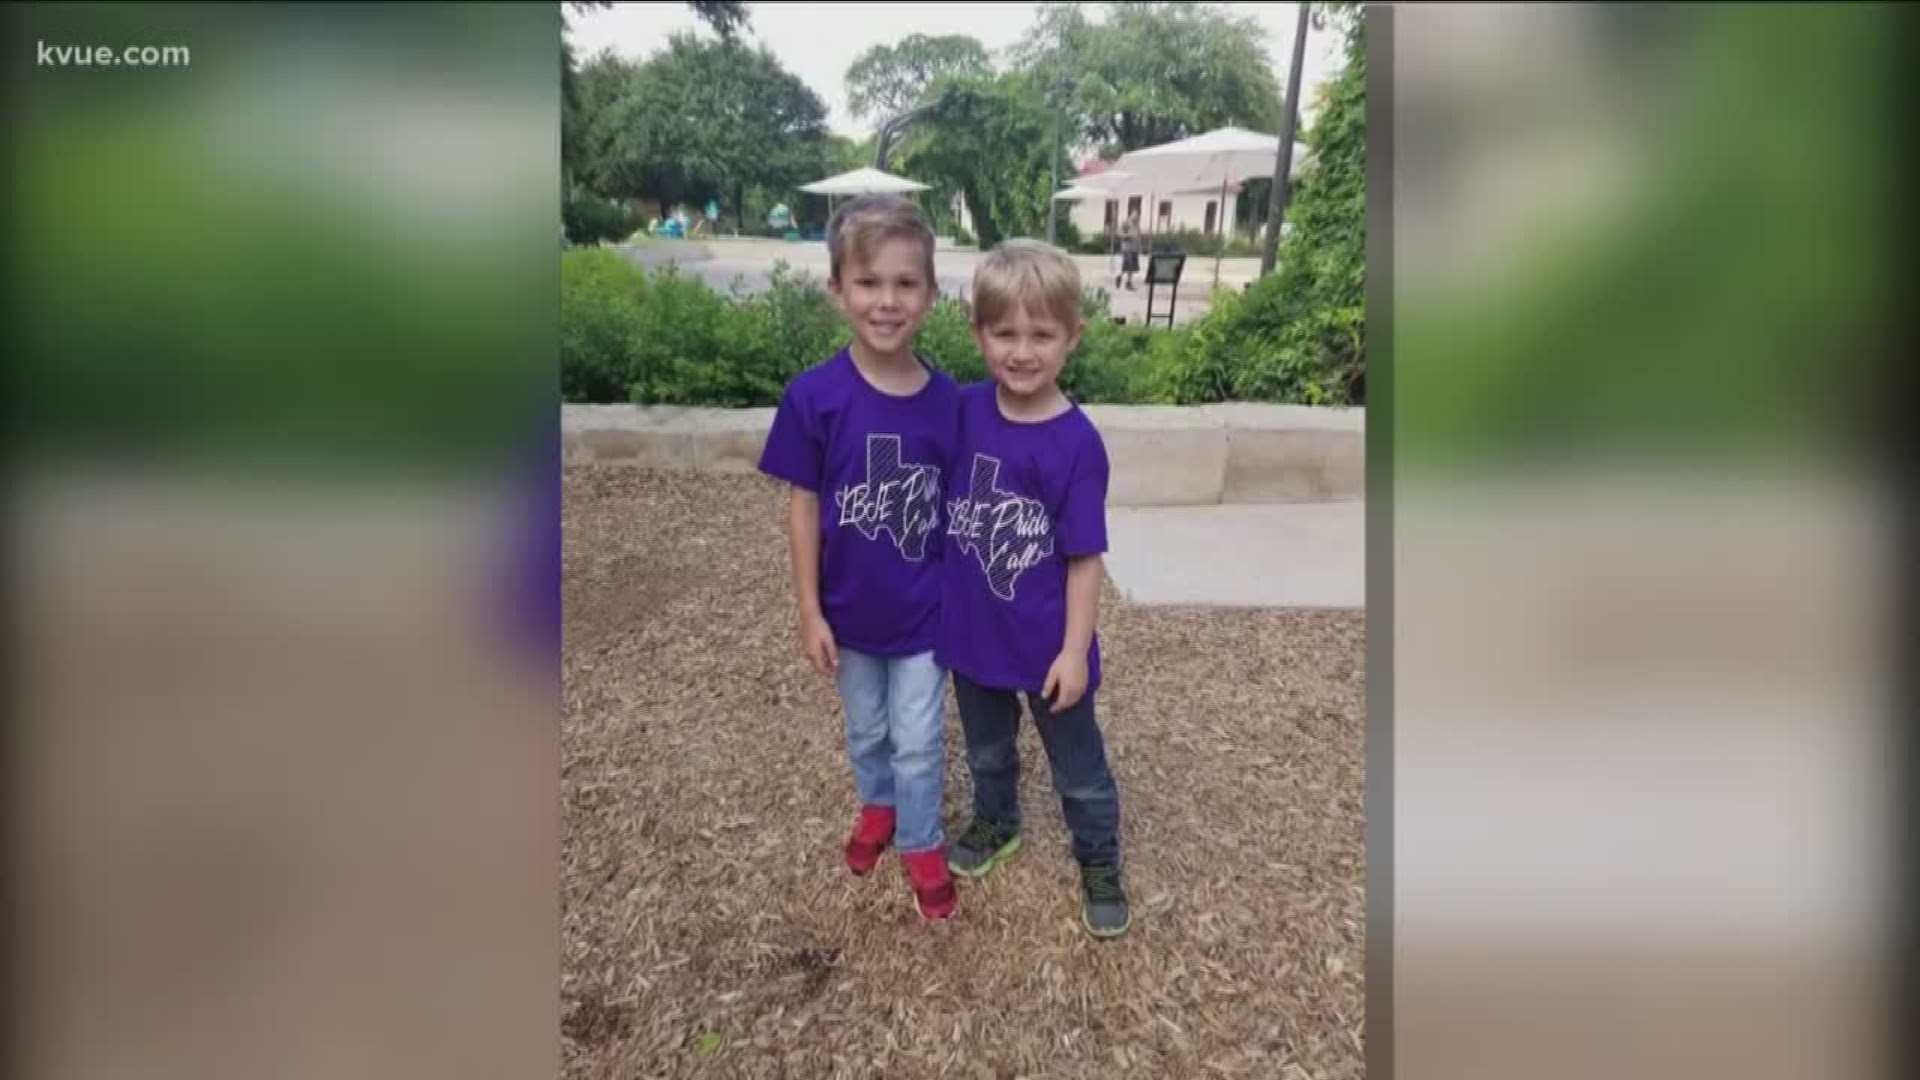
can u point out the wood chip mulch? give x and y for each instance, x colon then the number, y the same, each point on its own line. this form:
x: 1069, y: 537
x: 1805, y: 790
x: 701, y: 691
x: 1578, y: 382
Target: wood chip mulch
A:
x: 710, y: 930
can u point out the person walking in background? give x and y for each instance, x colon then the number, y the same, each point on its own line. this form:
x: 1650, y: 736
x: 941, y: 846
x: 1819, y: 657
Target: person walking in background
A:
x: 1129, y: 250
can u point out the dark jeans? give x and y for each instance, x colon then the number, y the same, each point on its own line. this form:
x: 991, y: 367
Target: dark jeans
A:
x: 1088, y: 796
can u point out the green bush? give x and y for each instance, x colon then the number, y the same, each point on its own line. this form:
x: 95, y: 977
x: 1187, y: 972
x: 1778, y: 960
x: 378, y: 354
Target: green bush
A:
x: 679, y: 330
x: 1269, y: 344
x: 589, y: 219
x: 1204, y: 245
x: 601, y: 299
x: 665, y: 337
x: 766, y: 338
x: 1159, y: 367
x: 1109, y: 365
x: 1188, y: 241
x: 946, y: 340
x: 1198, y: 368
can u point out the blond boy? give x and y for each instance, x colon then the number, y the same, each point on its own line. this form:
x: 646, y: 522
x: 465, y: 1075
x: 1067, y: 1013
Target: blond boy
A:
x: 1021, y: 575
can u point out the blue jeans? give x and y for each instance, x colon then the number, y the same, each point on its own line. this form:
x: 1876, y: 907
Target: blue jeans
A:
x: 894, y: 712
x: 1088, y: 795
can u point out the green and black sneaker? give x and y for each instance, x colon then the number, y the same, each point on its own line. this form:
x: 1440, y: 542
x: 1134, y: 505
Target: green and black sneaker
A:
x: 1103, y: 906
x: 987, y: 842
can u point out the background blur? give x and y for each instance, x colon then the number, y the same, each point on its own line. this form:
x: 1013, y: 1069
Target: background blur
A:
x: 1642, y: 637
x: 283, y: 381
x: 282, y: 328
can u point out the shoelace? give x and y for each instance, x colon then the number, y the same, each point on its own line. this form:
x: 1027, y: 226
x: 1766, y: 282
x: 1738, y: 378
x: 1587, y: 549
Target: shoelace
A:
x: 1103, y: 883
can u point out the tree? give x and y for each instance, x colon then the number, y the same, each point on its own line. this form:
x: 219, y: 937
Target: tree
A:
x: 990, y: 138
x: 570, y: 118
x: 1153, y: 72
x: 610, y: 147
x: 1337, y: 14
x: 890, y: 79
x: 703, y: 119
x: 727, y: 17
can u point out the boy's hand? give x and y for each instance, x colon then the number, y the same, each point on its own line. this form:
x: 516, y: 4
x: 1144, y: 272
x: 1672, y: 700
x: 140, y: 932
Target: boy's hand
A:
x: 816, y: 641
x: 1066, y: 681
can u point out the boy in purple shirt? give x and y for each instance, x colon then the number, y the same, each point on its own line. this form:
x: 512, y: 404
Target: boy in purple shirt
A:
x: 1026, y: 527
x: 865, y: 438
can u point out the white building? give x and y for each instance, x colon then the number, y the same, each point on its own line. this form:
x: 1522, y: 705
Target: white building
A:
x: 1195, y: 211
x: 1159, y: 212
x: 1198, y: 212
x: 1208, y: 211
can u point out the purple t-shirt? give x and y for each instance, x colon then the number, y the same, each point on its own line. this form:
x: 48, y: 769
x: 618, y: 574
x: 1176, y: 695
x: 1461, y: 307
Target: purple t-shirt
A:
x: 877, y: 461
x: 1021, y: 499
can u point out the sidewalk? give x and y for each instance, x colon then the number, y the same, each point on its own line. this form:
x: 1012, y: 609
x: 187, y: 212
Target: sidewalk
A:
x: 1293, y: 555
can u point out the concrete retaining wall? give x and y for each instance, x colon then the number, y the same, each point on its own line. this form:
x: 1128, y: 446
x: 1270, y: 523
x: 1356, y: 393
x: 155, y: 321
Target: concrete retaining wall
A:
x: 666, y: 436
x: 1162, y: 455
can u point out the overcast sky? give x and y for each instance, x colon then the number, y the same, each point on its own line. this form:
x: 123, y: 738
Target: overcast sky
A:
x: 818, y: 42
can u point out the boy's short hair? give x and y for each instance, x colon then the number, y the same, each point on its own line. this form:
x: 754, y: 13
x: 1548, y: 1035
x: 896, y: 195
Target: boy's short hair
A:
x: 1030, y: 275
x: 865, y: 221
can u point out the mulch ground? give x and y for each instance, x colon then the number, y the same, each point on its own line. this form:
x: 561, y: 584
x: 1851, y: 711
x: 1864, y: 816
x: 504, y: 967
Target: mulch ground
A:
x: 710, y: 930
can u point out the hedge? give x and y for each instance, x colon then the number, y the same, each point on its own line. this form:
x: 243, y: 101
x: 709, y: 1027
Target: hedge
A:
x: 665, y: 337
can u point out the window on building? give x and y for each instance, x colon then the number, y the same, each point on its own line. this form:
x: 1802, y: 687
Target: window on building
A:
x: 1213, y: 211
x: 1166, y: 214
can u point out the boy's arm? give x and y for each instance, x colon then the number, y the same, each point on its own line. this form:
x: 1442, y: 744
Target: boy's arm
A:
x: 803, y: 533
x: 1084, y: 573
x: 1082, y: 536
x: 793, y: 454
x: 1067, y: 678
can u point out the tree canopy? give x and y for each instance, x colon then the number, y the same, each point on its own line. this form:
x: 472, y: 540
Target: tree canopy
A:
x: 890, y: 79
x: 701, y: 119
x: 707, y: 118
x: 991, y: 138
x: 1153, y: 72
x: 727, y: 17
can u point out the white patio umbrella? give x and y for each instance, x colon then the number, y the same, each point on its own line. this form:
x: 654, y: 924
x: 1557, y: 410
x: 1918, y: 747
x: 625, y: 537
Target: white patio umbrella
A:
x: 863, y: 181
x: 1114, y: 183
x: 1204, y: 162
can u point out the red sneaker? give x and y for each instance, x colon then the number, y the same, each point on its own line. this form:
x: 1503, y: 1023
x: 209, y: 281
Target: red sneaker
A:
x: 872, y: 831
x: 932, y: 883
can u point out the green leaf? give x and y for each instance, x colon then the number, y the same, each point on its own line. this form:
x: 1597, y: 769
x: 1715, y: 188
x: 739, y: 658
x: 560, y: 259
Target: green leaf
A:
x: 707, y: 1043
